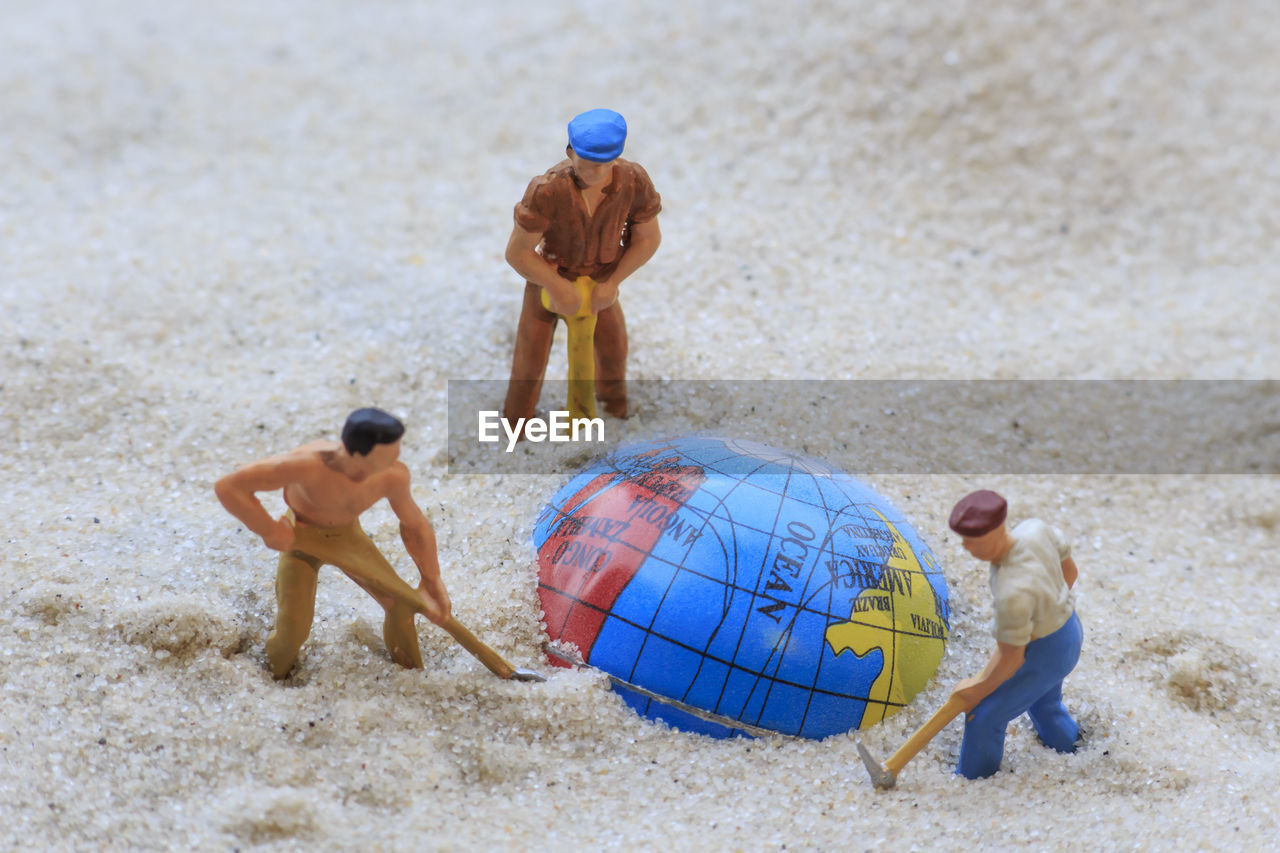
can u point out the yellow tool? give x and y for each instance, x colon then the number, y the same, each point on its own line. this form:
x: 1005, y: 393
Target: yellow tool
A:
x: 582, y: 351
x: 886, y: 775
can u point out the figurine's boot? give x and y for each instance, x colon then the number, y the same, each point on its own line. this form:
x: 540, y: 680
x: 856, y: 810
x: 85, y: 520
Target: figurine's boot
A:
x: 296, y: 575
x: 1053, y: 722
x: 401, y: 636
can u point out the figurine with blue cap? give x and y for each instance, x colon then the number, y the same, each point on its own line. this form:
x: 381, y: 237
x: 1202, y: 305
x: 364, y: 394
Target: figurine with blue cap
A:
x: 582, y: 228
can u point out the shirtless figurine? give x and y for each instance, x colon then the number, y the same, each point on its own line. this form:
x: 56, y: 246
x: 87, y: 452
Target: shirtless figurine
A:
x: 593, y: 214
x: 327, y: 485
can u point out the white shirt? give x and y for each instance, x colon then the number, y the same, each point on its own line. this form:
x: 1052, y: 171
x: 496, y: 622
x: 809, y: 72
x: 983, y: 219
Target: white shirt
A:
x: 1031, y: 596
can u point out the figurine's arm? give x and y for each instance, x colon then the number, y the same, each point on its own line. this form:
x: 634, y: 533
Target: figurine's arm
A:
x: 1069, y: 572
x: 419, y: 539
x: 645, y: 239
x: 1004, y: 662
x: 522, y: 255
x: 237, y: 491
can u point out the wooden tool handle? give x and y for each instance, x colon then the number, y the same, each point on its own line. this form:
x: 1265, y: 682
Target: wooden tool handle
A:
x: 582, y: 350
x: 582, y: 354
x: 487, y: 656
x: 924, y: 734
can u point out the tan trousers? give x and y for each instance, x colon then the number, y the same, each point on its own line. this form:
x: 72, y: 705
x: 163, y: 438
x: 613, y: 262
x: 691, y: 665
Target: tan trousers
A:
x: 533, y: 348
x: 352, y: 551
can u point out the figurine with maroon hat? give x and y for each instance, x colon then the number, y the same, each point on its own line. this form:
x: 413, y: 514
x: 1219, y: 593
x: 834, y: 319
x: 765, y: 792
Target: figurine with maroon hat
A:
x: 1038, y: 635
x: 593, y: 218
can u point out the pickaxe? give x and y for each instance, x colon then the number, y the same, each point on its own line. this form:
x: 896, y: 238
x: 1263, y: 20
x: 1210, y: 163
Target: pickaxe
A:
x: 885, y: 775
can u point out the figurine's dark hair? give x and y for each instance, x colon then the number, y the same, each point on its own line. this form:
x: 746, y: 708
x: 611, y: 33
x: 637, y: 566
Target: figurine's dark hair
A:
x: 366, y: 428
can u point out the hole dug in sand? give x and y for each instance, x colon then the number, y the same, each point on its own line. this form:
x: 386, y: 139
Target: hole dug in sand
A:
x: 1211, y: 677
x: 50, y: 602
x: 263, y: 816
x: 182, y: 627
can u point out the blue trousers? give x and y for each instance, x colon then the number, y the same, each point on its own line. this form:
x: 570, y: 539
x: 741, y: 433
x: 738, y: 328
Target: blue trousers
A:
x: 1035, y: 689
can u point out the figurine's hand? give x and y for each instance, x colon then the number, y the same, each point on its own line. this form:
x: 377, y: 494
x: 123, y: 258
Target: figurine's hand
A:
x: 280, y: 537
x: 565, y: 304
x: 604, y: 295
x: 436, y: 597
x: 969, y: 692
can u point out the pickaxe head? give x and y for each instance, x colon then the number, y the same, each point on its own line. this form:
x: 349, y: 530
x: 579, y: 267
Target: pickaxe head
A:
x: 880, y: 777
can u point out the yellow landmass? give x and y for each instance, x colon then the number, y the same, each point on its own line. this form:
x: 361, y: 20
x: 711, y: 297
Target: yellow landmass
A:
x: 882, y: 618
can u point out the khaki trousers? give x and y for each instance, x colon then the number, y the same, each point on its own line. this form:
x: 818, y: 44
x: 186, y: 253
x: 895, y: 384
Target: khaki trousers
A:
x: 352, y: 551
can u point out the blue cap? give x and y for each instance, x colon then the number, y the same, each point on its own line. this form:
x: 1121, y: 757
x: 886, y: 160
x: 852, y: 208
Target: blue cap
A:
x: 598, y: 135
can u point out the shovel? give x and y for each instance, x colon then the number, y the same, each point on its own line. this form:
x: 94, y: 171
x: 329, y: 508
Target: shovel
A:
x: 885, y: 776
x: 487, y: 656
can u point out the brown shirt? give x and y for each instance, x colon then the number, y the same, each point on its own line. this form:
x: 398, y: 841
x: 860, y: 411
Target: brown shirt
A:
x: 579, y: 244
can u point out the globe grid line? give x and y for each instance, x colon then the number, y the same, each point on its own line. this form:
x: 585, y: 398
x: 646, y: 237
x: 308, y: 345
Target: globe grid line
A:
x: 829, y: 586
x: 801, y: 607
x: 830, y: 474
x: 658, y: 634
x: 729, y: 586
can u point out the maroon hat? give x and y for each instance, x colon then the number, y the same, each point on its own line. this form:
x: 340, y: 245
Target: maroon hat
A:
x: 978, y: 513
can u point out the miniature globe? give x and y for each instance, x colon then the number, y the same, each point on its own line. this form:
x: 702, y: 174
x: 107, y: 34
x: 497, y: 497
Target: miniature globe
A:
x: 728, y: 587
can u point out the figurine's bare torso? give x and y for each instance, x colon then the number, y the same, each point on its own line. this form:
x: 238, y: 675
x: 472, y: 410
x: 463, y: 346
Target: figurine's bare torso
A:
x: 320, y: 495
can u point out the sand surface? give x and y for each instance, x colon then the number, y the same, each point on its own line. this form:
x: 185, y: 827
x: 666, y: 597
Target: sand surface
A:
x: 224, y: 226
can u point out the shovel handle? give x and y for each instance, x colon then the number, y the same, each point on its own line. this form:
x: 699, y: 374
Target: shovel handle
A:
x: 924, y: 734
x: 487, y: 656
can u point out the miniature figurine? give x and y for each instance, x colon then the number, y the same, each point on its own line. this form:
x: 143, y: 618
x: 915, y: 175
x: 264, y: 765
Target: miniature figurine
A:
x: 327, y: 485
x: 1038, y: 634
x: 582, y: 228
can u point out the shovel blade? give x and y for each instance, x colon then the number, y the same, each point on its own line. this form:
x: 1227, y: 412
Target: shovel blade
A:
x: 521, y: 674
